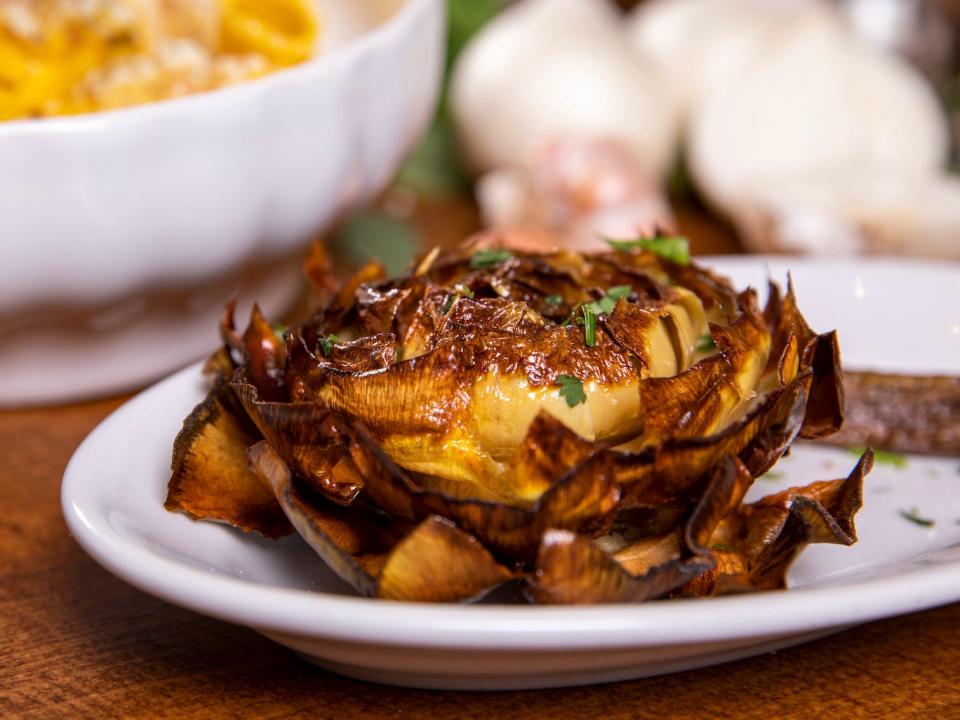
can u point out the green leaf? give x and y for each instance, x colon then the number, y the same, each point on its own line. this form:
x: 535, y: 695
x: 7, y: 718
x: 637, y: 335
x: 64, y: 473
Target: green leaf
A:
x: 375, y: 235
x: 554, y: 299
x: 571, y: 389
x: 483, y: 259
x: 884, y: 457
x: 605, y: 305
x: 771, y: 475
x: 589, y: 326
x: 675, y: 248
x: 913, y: 516
x: 706, y: 343
x: 462, y: 290
x: 619, y: 291
x: 434, y: 168
x: 327, y: 343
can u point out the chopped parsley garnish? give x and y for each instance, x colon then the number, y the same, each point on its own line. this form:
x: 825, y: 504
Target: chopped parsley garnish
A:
x: 675, y: 248
x: 913, y: 516
x: 327, y: 343
x: 554, y: 299
x: 457, y: 290
x: 605, y: 305
x: 721, y: 546
x: 884, y: 457
x: 279, y: 329
x: 589, y: 326
x: 706, y: 343
x: 772, y: 475
x: 483, y: 259
x: 571, y: 389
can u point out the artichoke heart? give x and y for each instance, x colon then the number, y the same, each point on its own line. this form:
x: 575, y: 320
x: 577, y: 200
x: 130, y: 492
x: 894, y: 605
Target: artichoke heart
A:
x: 584, y: 424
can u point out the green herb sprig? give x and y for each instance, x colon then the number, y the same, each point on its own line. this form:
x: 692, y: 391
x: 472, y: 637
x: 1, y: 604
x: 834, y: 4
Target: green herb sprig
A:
x: 913, y: 515
x: 461, y: 290
x: 605, y: 305
x: 589, y: 326
x: 674, y: 248
x: 326, y: 343
x: 485, y: 259
x: 706, y: 343
x: 571, y: 389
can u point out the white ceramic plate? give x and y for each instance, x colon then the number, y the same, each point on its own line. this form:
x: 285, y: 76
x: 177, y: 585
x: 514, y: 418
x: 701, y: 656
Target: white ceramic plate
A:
x: 890, y: 315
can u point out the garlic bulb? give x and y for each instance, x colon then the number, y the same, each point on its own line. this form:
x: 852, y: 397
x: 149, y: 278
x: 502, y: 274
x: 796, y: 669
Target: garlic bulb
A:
x: 703, y: 45
x: 855, y: 212
x: 579, y: 191
x: 822, y: 103
x: 548, y: 70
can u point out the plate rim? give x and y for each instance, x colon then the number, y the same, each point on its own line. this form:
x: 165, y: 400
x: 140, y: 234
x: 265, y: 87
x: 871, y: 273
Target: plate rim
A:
x: 372, y: 621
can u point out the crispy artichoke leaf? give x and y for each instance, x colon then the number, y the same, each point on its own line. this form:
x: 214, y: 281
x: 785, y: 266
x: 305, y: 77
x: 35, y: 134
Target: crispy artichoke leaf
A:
x: 825, y: 404
x: 583, y: 499
x: 439, y: 562
x: 574, y: 569
x: 433, y: 561
x: 265, y: 355
x: 549, y: 450
x: 671, y: 473
x: 210, y: 478
x: 761, y: 540
x: 308, y: 437
x: 571, y: 569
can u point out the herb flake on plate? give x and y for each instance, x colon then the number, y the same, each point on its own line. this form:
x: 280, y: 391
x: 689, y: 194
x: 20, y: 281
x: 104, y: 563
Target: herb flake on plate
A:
x: 884, y: 457
x: 913, y: 515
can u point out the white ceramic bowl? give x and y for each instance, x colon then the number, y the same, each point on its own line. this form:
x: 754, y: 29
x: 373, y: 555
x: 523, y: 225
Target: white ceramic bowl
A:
x: 122, y: 233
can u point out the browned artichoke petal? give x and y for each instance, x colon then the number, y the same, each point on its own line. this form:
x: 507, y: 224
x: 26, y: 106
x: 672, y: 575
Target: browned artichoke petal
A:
x: 210, y: 478
x: 761, y: 540
x: 728, y: 485
x: 318, y: 269
x: 670, y: 473
x: 583, y: 499
x: 825, y: 403
x: 309, y: 438
x: 438, y: 562
x: 548, y: 451
x: 265, y: 356
x: 435, y: 562
x: 572, y: 569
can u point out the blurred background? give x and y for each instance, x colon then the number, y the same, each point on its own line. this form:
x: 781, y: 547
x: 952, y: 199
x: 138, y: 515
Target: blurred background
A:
x: 777, y: 126
x: 824, y: 127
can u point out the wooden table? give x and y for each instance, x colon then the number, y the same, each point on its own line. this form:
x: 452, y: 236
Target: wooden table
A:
x: 77, y: 642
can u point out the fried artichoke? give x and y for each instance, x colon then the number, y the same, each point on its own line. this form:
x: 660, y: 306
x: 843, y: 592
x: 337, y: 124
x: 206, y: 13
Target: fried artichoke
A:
x: 585, y: 424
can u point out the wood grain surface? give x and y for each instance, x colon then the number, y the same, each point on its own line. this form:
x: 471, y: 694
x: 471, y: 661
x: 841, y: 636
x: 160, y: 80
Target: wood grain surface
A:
x: 76, y: 642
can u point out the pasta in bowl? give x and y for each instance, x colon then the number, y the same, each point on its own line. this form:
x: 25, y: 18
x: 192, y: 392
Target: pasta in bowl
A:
x: 123, y: 229
x: 59, y: 57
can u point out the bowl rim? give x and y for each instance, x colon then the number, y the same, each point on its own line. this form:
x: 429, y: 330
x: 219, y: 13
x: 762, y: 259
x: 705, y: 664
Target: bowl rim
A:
x: 327, y: 61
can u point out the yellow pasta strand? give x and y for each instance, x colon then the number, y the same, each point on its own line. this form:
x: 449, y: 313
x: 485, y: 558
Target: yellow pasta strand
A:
x: 127, y: 52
